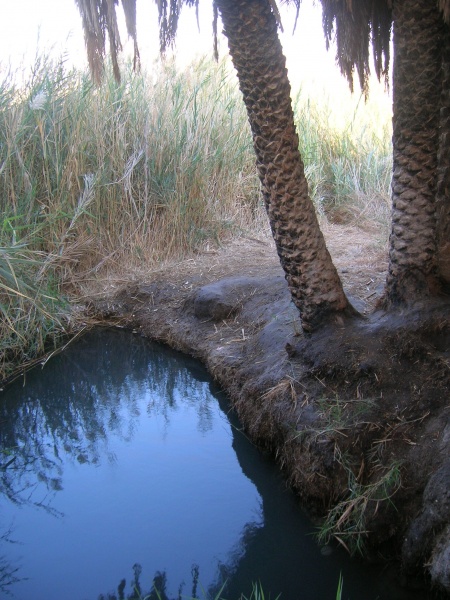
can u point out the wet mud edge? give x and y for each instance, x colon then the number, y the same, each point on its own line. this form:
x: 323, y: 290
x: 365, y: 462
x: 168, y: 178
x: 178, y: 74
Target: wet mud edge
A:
x: 354, y: 400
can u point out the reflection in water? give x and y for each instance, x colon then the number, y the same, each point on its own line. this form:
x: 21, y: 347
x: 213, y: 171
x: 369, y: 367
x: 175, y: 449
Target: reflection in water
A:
x: 117, y: 453
x: 158, y: 590
x: 8, y: 573
x: 75, y: 410
x: 119, y: 457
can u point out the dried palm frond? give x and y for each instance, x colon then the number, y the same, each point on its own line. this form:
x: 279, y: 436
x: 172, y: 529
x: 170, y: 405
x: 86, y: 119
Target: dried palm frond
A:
x: 99, y: 19
x: 168, y: 16
x: 355, y: 25
x: 129, y: 9
x: 94, y: 35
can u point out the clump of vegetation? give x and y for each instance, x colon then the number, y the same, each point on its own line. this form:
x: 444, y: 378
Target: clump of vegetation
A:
x: 33, y: 316
x: 346, y: 521
x: 96, y: 181
x: 149, y: 168
x: 370, y: 483
x: 336, y: 415
x: 347, y: 153
x: 117, y: 177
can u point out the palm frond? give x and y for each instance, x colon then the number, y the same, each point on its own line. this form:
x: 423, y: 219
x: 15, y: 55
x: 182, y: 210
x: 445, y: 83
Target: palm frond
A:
x: 354, y: 26
x: 99, y: 20
x: 168, y: 16
x: 129, y: 9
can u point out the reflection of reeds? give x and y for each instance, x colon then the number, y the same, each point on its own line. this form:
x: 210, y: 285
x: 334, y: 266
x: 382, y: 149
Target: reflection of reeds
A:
x: 158, y: 589
x: 109, y: 179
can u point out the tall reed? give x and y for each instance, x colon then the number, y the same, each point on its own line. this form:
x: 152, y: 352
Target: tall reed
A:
x: 345, y: 143
x: 149, y: 168
x: 32, y: 316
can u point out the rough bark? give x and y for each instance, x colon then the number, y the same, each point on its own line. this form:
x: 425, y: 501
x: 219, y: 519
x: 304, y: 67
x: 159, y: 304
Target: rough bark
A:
x: 251, y: 30
x: 416, y: 90
x: 443, y: 186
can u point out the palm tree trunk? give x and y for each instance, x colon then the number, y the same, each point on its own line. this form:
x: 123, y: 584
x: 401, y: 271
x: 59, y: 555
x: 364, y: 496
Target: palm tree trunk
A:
x: 251, y: 29
x: 443, y: 185
x: 416, y: 88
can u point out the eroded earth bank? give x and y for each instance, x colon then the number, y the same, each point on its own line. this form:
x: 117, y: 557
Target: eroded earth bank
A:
x: 357, y: 415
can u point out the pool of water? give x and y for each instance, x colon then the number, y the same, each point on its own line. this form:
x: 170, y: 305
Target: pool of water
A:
x: 121, y: 468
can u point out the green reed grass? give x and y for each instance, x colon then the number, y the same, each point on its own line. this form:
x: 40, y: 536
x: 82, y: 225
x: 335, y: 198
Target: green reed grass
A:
x: 346, y: 147
x: 118, y: 176
x: 346, y: 520
x: 132, y: 175
x: 150, y: 168
x: 32, y: 315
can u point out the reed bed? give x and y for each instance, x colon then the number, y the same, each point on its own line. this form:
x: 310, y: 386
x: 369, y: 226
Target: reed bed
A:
x: 128, y: 176
x: 345, y: 142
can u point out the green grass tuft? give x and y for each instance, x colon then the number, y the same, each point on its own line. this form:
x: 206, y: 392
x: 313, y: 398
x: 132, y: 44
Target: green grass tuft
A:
x: 346, y: 521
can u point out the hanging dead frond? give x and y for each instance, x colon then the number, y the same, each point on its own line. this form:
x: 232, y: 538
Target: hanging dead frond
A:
x: 94, y: 35
x: 129, y: 9
x: 355, y: 26
x: 215, y: 20
x: 115, y: 45
x: 168, y: 16
x: 100, y: 23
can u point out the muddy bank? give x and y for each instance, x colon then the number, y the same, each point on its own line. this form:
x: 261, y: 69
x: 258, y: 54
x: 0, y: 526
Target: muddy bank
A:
x: 356, y: 415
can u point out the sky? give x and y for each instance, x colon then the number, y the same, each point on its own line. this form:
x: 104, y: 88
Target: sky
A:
x: 56, y: 25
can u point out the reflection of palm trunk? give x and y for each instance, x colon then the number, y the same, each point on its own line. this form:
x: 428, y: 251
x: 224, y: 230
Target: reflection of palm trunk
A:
x: 251, y: 29
x: 417, y: 84
x: 443, y: 191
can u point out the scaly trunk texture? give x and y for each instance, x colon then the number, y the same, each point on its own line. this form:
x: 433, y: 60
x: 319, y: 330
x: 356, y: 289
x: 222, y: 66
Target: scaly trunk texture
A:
x: 443, y: 185
x: 251, y: 30
x: 416, y: 88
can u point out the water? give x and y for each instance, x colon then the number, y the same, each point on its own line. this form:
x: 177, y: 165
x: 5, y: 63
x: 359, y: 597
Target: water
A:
x: 120, y: 462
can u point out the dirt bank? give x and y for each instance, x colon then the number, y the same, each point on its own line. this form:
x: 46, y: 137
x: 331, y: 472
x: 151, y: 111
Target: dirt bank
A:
x: 357, y: 415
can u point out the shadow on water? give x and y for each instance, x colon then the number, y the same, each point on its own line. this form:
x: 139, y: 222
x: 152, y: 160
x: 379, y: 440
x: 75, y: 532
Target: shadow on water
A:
x: 70, y: 416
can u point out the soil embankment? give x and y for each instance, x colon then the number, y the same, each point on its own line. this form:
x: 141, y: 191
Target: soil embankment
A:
x: 356, y: 415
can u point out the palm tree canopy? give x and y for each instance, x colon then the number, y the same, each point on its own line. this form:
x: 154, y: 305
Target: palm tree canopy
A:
x: 100, y: 22
x: 356, y: 25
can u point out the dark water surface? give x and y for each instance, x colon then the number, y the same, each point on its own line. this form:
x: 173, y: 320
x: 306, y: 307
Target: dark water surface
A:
x: 120, y: 462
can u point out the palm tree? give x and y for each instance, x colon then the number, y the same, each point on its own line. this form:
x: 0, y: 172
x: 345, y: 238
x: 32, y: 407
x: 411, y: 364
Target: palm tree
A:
x: 443, y: 182
x: 251, y: 29
x: 419, y: 252
x: 413, y: 268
